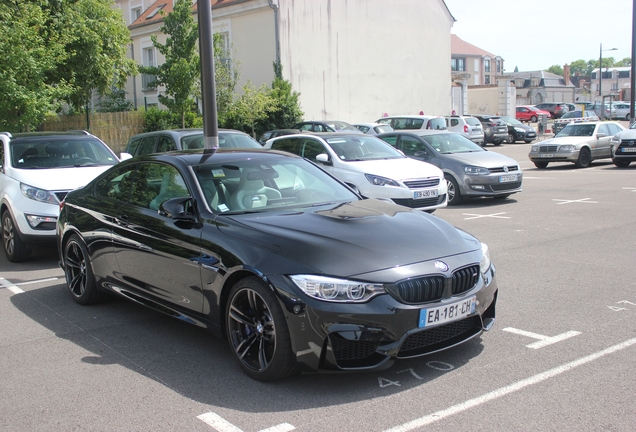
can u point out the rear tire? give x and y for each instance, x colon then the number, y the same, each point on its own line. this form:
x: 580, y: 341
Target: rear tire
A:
x: 533, y: 119
x: 15, y: 249
x: 454, y: 195
x: 79, y: 273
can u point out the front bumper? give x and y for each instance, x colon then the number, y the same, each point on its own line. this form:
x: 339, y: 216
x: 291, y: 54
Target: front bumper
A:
x: 43, y: 232
x: 337, y: 336
x: 490, y: 185
x: 554, y: 156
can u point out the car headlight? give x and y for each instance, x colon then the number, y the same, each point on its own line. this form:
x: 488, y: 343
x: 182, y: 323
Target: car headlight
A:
x: 381, y: 181
x: 534, y: 149
x: 475, y: 170
x: 484, y: 264
x: 336, y: 290
x: 567, y: 148
x: 519, y: 130
x: 38, y: 194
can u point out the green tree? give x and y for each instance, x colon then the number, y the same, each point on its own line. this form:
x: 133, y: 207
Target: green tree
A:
x: 28, y: 57
x: 627, y: 61
x: 556, y: 69
x: 181, y: 70
x: 226, y: 72
x: 252, y: 107
x: 579, y: 66
x: 115, y: 101
x: 288, y: 111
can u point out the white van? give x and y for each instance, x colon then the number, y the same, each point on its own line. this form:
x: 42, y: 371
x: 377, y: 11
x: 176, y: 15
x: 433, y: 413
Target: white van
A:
x: 414, y: 122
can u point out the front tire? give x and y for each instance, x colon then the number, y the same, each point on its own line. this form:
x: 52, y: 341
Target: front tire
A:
x: 511, y: 139
x: 585, y: 158
x: 79, y: 273
x: 541, y: 165
x: 15, y: 249
x: 454, y: 195
x: 257, y: 331
x: 620, y: 163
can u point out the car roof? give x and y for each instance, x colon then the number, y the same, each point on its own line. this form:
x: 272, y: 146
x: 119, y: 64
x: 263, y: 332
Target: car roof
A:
x: 199, y: 157
x: 182, y: 132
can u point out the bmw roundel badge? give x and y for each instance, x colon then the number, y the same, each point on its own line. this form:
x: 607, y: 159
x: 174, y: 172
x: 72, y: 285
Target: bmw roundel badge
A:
x: 439, y: 265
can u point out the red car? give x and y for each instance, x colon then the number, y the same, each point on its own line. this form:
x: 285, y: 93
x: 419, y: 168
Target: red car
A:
x: 530, y: 113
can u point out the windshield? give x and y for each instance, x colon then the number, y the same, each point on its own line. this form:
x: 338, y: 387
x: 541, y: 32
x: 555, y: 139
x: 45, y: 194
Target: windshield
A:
x: 59, y: 152
x: 342, y: 126
x: 572, y: 114
x: 248, y: 185
x: 451, y: 143
x: 511, y: 121
x: 226, y: 140
x: 580, y: 130
x: 362, y: 148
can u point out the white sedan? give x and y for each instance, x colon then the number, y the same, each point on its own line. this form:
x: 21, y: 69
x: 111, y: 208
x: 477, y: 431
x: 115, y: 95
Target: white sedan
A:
x: 371, y: 167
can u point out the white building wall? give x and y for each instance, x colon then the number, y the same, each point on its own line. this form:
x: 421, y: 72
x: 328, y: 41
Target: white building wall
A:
x: 354, y: 60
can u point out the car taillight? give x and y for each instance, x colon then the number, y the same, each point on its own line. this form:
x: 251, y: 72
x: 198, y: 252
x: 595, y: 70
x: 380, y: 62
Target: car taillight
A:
x: 61, y: 205
x: 492, y: 124
x: 465, y: 128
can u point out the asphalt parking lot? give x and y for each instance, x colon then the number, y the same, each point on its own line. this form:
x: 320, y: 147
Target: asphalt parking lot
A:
x: 561, y: 355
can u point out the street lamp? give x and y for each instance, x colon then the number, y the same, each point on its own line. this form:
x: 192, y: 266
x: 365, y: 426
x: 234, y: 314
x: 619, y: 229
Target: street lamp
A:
x: 600, y: 70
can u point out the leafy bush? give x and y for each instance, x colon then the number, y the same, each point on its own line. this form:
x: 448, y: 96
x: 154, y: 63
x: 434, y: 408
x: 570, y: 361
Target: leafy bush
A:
x: 157, y: 119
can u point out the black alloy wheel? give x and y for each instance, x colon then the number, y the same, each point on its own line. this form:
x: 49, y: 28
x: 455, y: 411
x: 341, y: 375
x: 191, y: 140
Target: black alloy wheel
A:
x: 14, y: 248
x: 452, y: 190
x: 497, y: 143
x: 257, y: 331
x: 541, y: 165
x: 585, y: 159
x: 79, y: 274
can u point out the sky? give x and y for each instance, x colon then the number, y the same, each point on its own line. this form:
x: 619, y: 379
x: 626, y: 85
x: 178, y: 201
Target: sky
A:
x: 536, y: 34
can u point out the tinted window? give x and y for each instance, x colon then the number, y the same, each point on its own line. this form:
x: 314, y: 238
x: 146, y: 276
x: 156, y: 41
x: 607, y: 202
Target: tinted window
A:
x: 291, y: 145
x: 117, y: 184
x: 312, y: 148
x: 411, y: 145
x: 436, y: 123
x: 59, y: 152
x: 146, y: 146
x: 166, y: 144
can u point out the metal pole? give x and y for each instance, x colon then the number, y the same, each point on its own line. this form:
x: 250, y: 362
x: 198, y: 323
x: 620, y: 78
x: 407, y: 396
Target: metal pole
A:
x: 632, y: 92
x: 600, y: 74
x: 208, y: 90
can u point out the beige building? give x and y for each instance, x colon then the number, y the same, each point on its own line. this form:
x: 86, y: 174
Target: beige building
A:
x: 350, y: 60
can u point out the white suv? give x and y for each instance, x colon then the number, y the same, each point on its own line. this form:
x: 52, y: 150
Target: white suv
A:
x: 468, y: 126
x: 37, y: 170
x: 371, y: 167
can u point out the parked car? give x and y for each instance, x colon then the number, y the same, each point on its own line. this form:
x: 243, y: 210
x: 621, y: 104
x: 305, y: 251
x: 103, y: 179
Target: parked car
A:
x: 38, y: 170
x: 264, y: 248
x: 554, y: 108
x: 326, y: 126
x: 183, y: 139
x: 621, y: 110
x: 495, y: 129
x: 571, y: 106
x: 624, y: 147
x: 602, y: 112
x: 517, y: 131
x: 373, y: 128
x: 468, y: 126
x: 470, y: 170
x: 579, y: 143
x: 572, y: 117
x: 370, y: 166
x: 276, y: 132
x: 414, y: 122
x: 530, y: 113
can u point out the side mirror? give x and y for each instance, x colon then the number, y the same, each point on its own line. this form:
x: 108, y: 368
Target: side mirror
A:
x: 125, y: 156
x: 178, y: 209
x: 601, y: 135
x: 421, y: 154
x: 324, y: 159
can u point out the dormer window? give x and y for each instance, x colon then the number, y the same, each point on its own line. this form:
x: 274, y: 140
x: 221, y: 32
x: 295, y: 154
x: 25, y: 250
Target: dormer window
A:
x: 156, y: 11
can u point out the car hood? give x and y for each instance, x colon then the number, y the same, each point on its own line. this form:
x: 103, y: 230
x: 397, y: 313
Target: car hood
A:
x: 572, y: 140
x: 402, y: 168
x: 486, y: 159
x: 351, y: 239
x: 58, y: 179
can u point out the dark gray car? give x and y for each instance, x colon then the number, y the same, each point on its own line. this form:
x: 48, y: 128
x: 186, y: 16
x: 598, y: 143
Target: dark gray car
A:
x: 470, y: 170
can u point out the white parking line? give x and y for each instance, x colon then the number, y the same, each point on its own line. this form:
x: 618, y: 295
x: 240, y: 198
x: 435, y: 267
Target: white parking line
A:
x: 582, y: 200
x: 222, y: 425
x: 477, y: 216
x: 630, y: 188
x: 543, y: 340
x: 11, y: 287
x: 503, y: 391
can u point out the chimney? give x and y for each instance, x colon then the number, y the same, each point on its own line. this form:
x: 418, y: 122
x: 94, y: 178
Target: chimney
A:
x: 566, y: 74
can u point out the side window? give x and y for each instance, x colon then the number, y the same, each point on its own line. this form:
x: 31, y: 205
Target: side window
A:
x: 2, y: 154
x: 306, y: 126
x: 312, y: 148
x: 166, y: 144
x: 363, y: 129
x: 146, y: 146
x: 613, y: 129
x: 117, y: 184
x: 603, y: 129
x: 291, y: 145
x: 410, y: 146
x: 391, y: 139
x: 132, y: 148
x: 157, y: 183
x: 417, y: 124
x: 454, y: 122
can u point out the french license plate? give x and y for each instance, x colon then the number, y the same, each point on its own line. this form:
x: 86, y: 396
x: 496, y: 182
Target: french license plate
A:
x: 425, y: 194
x: 447, y: 313
x: 546, y: 155
x: 507, y: 178
x: 629, y: 149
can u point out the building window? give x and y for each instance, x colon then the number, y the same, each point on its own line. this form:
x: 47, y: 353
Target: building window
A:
x: 487, y: 65
x: 225, y: 48
x: 607, y: 75
x: 487, y: 79
x: 498, y: 66
x: 623, y: 74
x: 614, y: 86
x: 149, y: 60
x: 458, y: 65
x: 135, y: 13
